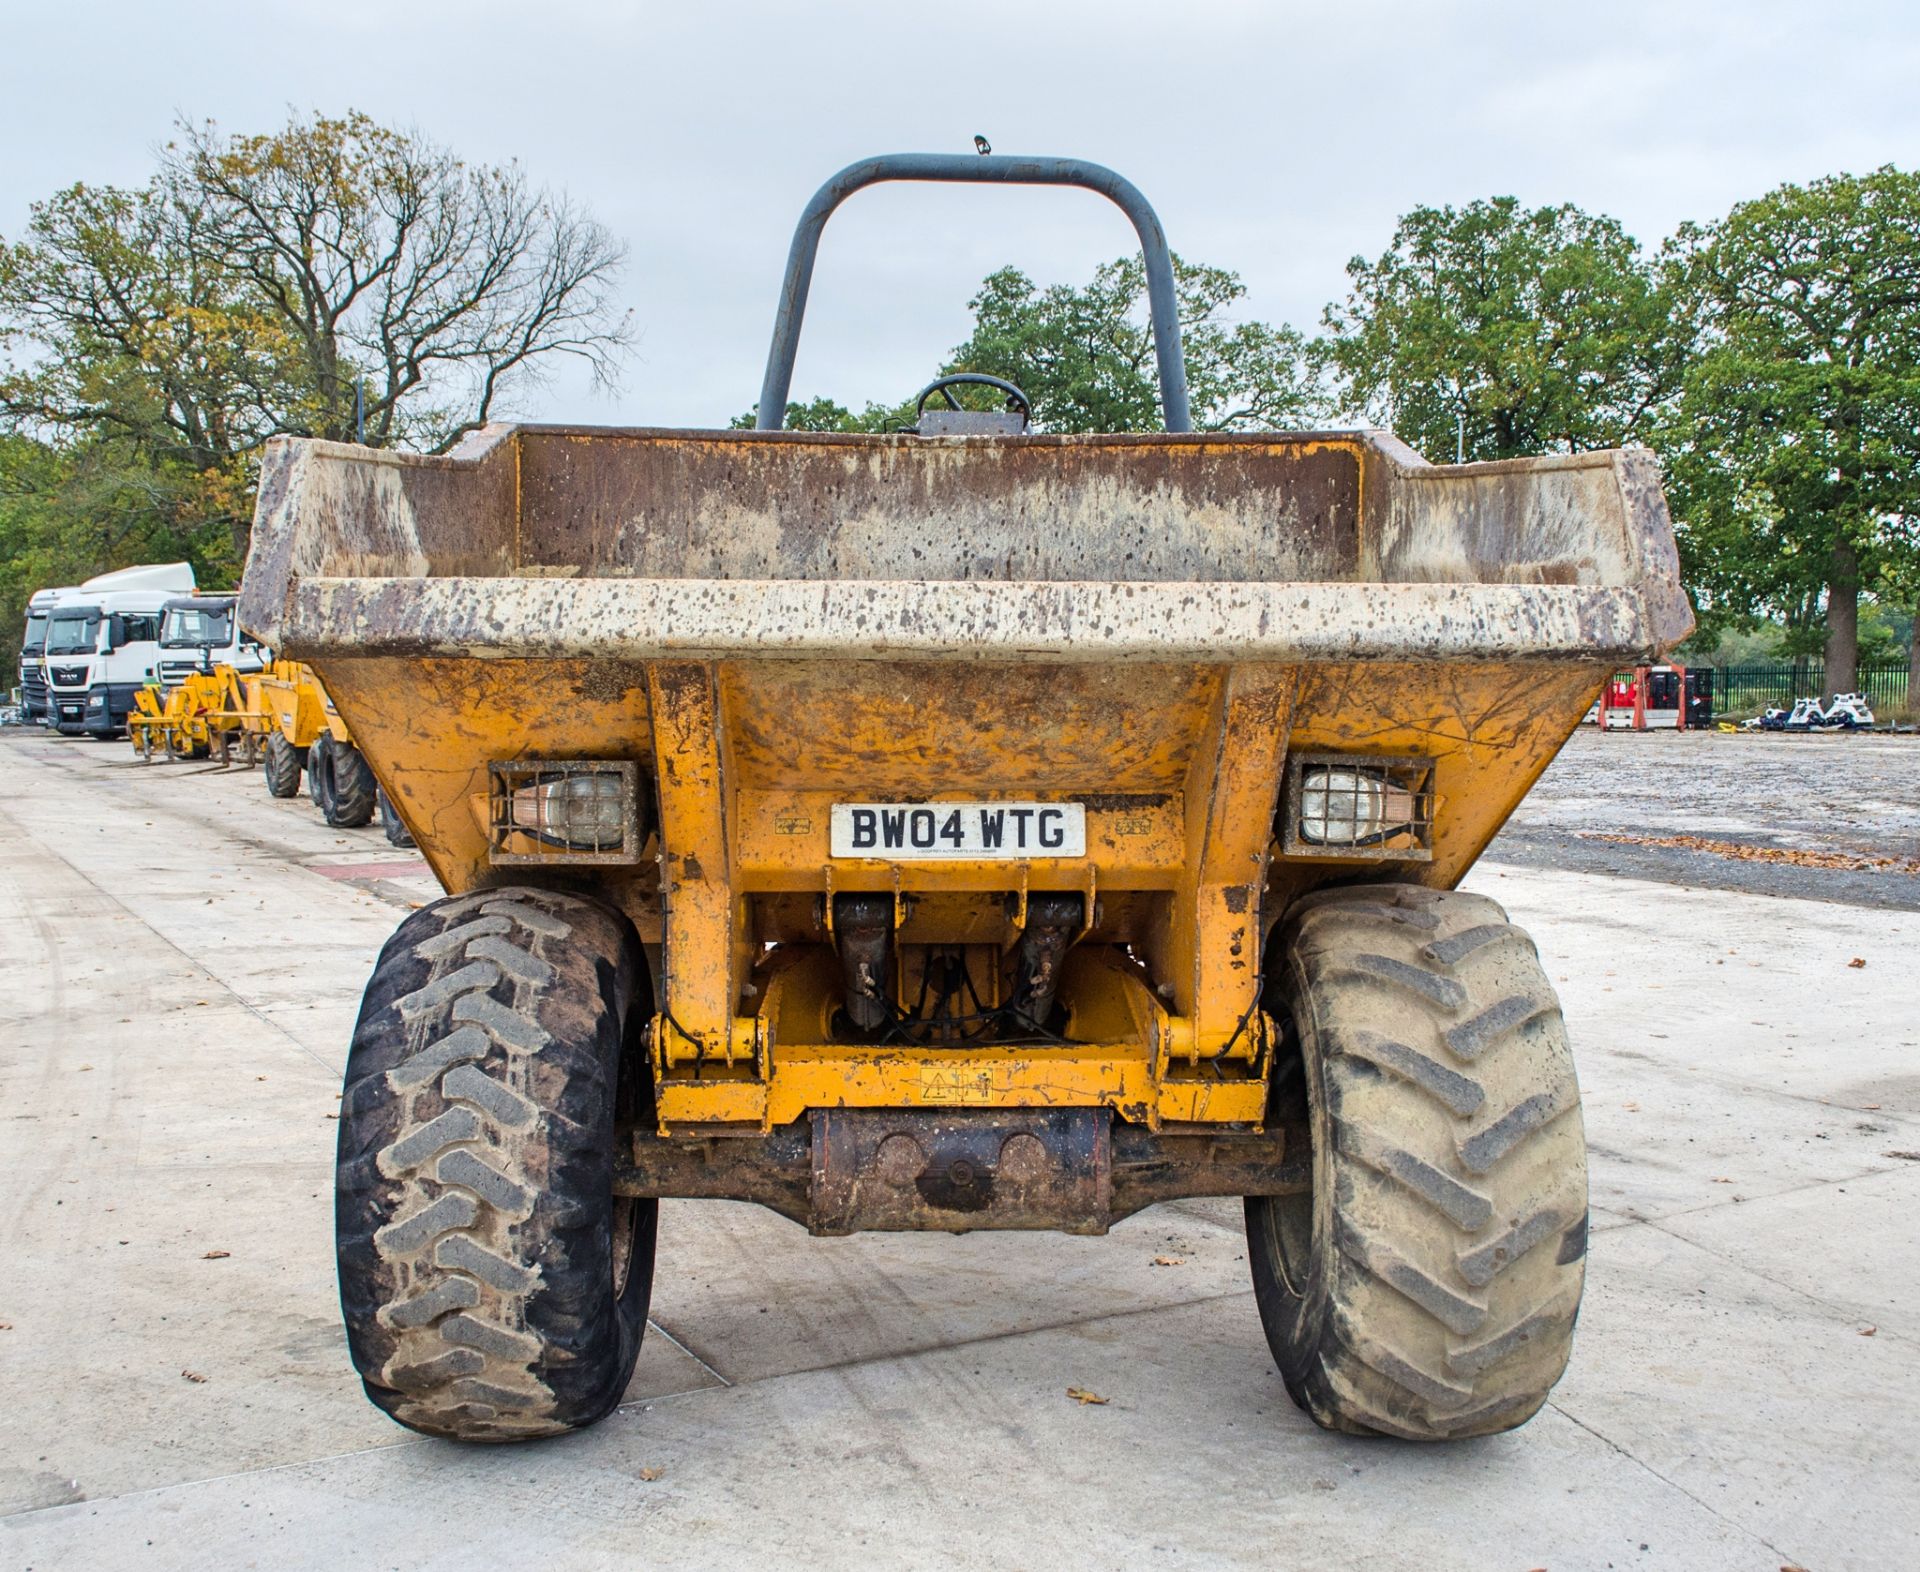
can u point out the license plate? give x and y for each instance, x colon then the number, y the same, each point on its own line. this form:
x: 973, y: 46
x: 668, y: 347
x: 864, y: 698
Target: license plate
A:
x: 920, y: 832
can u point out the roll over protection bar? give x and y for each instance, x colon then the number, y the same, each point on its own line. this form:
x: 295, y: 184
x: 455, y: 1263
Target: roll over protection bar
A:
x: 1161, y: 305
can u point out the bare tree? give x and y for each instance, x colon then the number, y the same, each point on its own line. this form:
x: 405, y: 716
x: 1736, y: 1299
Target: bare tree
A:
x: 436, y: 286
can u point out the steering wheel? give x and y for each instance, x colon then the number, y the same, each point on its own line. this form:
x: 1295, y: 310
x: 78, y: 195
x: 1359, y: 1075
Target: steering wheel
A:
x: 1021, y: 404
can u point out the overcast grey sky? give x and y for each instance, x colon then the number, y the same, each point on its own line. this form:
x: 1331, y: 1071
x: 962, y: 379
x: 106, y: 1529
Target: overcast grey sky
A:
x: 1274, y: 139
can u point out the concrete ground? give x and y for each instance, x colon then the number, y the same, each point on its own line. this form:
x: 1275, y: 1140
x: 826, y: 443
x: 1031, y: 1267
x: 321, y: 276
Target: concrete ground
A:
x: 183, y: 958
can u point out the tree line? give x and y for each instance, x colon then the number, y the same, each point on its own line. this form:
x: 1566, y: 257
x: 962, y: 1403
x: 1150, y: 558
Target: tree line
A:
x: 334, y: 279
x: 1770, y: 358
x: 340, y: 279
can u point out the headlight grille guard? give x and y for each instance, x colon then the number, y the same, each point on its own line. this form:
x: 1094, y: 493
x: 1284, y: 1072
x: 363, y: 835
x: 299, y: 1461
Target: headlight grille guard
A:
x: 529, y: 823
x: 1407, y: 778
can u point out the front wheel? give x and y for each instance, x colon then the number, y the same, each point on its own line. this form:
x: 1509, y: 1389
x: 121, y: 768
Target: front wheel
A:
x: 341, y: 782
x: 494, y: 1287
x: 283, y: 766
x: 1427, y: 1286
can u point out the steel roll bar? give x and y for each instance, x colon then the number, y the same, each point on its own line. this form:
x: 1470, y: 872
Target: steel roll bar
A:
x: 990, y: 170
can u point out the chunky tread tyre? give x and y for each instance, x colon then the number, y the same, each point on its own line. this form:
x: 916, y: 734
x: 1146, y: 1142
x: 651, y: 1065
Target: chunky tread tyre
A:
x: 319, y: 776
x: 1428, y: 1286
x: 283, y: 766
x: 493, y: 1286
x: 395, y: 827
x: 349, y: 801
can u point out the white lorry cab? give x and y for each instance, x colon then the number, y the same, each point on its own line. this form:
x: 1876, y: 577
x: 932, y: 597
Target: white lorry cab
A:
x: 33, y: 654
x: 199, y: 631
x: 103, y: 646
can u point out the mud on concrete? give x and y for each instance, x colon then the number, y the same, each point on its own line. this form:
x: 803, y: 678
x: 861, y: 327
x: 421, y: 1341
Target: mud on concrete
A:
x: 1607, y: 801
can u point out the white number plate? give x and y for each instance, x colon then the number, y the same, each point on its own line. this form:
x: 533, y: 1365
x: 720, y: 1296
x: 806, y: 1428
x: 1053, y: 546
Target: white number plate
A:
x: 919, y: 832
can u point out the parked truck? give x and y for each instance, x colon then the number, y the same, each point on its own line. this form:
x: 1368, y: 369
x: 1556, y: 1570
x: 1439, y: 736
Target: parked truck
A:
x: 34, y: 706
x: 103, y: 646
x: 966, y: 828
x: 200, y: 632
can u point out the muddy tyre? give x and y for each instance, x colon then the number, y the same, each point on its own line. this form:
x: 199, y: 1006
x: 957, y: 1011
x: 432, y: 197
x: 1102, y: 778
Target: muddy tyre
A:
x: 283, y: 766
x: 395, y: 827
x: 342, y: 782
x: 1427, y: 1288
x: 318, y: 776
x: 493, y: 1286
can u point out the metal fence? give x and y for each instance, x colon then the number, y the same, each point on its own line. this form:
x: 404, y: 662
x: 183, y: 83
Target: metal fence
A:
x: 1740, y: 691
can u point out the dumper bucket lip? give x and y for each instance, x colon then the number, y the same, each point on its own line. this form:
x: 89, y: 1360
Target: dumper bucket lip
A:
x: 680, y: 619
x: 293, y: 601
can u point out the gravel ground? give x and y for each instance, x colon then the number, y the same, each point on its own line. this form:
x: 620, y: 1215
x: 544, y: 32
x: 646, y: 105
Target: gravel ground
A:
x: 1854, y: 797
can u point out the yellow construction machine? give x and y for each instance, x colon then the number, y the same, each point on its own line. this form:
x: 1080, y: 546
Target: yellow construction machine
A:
x: 203, y: 714
x: 965, y: 828
x: 303, y: 731
x: 197, y: 703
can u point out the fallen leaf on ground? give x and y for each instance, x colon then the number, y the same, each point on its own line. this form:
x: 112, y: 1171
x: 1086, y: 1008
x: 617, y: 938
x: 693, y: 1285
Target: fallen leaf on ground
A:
x: 1869, y: 1107
x: 216, y: 1255
x: 1169, y: 1260
x: 1868, y: 1331
x: 651, y: 1474
x: 1857, y: 962
x: 86, y: 1067
x: 6, y: 1326
x: 1631, y: 1107
x: 1848, y: 862
x: 194, y: 1376
x: 1083, y: 1397
x: 1723, y: 1181
x: 1905, y: 1157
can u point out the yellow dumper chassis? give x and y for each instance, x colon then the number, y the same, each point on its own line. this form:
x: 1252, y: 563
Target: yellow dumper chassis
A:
x: 752, y: 706
x: 966, y: 828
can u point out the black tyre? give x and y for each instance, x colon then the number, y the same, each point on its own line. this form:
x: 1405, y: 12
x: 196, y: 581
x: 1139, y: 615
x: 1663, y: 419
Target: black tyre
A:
x: 1428, y: 1286
x: 319, y: 777
x: 397, y: 832
x: 342, y: 782
x: 284, y: 762
x: 493, y: 1286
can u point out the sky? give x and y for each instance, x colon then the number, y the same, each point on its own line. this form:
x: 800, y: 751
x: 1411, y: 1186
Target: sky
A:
x: 1275, y: 139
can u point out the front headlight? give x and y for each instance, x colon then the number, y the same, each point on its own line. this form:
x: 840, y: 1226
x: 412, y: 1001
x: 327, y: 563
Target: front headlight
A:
x: 581, y: 809
x: 584, y: 812
x: 1351, y: 807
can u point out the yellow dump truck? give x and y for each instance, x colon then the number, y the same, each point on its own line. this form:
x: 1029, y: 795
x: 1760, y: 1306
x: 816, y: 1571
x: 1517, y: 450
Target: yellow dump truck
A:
x: 965, y: 828
x: 302, y: 730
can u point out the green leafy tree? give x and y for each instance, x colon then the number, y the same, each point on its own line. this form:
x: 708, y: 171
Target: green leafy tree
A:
x: 823, y: 414
x: 1085, y: 356
x: 1508, y: 330
x: 1795, y: 451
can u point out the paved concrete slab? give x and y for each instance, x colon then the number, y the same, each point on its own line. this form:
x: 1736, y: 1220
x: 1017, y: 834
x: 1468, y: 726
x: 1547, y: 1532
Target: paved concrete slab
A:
x: 170, y: 1045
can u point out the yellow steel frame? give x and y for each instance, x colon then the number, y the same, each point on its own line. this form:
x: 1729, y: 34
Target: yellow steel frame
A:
x: 194, y: 717
x: 289, y: 696
x: 1179, y: 767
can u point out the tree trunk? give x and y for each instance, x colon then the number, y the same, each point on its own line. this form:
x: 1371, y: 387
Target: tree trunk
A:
x: 1913, y: 665
x: 1843, y: 618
